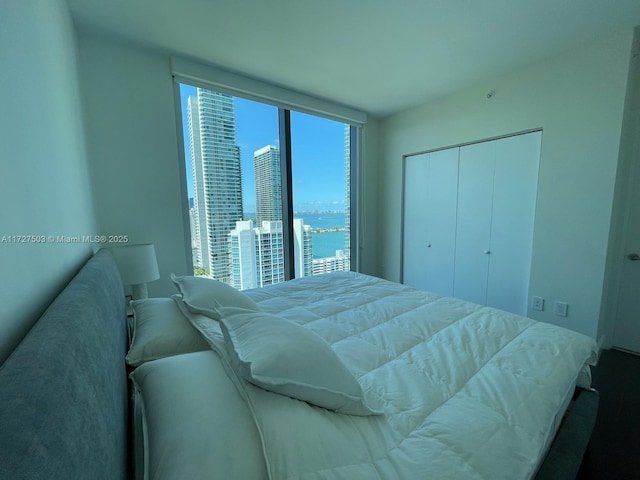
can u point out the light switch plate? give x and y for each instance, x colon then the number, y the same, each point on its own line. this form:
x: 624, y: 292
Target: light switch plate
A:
x: 537, y: 303
x: 561, y: 309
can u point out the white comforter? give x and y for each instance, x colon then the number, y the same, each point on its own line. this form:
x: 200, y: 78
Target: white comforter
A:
x: 468, y: 392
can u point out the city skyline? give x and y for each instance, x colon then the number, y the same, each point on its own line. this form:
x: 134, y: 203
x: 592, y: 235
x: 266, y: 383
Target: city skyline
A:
x: 317, y: 153
x: 227, y: 244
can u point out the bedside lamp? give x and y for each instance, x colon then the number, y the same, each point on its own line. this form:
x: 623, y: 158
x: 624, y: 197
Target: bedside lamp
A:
x: 137, y: 265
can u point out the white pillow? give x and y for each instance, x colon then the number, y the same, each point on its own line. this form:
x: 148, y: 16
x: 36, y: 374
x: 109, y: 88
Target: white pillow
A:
x: 208, y: 329
x: 200, y: 293
x: 161, y: 330
x: 195, y: 422
x: 289, y: 359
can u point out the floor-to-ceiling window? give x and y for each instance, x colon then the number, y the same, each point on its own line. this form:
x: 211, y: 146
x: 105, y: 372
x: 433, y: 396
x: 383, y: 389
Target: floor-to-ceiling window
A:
x: 262, y: 212
x: 320, y: 160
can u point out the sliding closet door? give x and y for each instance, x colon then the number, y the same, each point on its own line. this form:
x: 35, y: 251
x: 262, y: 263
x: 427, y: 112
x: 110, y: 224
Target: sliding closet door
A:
x: 473, y: 237
x: 514, y: 202
x: 468, y: 221
x: 430, y: 220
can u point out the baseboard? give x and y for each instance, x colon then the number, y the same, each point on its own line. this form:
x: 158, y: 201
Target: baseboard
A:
x: 624, y: 350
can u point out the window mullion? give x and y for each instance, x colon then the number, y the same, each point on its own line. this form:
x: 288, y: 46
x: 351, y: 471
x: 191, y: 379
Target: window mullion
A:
x: 284, y: 126
x: 353, y: 185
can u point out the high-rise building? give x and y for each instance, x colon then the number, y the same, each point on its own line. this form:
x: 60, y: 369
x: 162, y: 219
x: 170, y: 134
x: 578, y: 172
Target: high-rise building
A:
x: 242, y: 240
x: 257, y: 253
x: 199, y: 230
x: 217, y: 178
x: 266, y: 163
x: 192, y: 227
x: 303, y: 248
x: 270, y: 253
x: 340, y: 262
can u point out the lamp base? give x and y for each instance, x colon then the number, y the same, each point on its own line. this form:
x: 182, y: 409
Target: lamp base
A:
x: 139, y: 291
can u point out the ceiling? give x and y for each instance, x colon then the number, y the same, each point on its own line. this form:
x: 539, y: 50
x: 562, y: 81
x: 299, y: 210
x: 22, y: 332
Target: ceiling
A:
x: 379, y: 56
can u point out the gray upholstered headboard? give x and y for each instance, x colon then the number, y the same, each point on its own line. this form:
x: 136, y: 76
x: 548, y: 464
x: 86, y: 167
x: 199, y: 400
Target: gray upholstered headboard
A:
x: 63, y: 391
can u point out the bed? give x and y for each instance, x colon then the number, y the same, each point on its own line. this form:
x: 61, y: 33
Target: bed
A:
x: 341, y: 375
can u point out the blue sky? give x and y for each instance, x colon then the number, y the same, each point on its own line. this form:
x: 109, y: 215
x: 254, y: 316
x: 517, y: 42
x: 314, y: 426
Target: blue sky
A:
x: 317, y: 151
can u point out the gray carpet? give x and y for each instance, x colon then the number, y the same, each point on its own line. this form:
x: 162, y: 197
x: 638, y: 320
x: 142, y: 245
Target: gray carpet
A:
x: 614, y: 451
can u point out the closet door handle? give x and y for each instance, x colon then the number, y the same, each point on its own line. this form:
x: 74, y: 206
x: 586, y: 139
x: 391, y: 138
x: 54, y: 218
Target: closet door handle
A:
x: 487, y: 252
x: 634, y: 257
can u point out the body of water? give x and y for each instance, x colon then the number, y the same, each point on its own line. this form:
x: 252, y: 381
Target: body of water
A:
x: 325, y: 244
x: 322, y: 220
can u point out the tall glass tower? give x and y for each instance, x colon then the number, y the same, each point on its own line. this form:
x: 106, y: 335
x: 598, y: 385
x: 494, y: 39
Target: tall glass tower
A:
x: 219, y: 186
x: 199, y: 230
x: 266, y: 163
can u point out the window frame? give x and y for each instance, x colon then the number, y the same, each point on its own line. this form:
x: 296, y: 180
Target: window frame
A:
x: 215, y: 79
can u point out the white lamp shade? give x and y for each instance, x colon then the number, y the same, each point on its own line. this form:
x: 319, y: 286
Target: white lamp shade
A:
x: 137, y: 263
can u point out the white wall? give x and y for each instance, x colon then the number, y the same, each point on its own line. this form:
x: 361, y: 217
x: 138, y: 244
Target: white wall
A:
x: 133, y: 148
x: 132, y: 140
x: 44, y: 181
x: 578, y: 99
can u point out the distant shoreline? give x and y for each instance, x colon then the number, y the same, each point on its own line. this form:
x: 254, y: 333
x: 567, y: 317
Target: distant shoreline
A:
x: 320, y: 212
x: 252, y: 215
x: 329, y: 230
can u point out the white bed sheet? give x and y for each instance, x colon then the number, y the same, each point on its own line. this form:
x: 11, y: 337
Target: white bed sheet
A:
x: 468, y: 391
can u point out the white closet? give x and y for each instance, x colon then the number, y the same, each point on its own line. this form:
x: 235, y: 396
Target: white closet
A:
x: 431, y: 183
x: 468, y: 220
